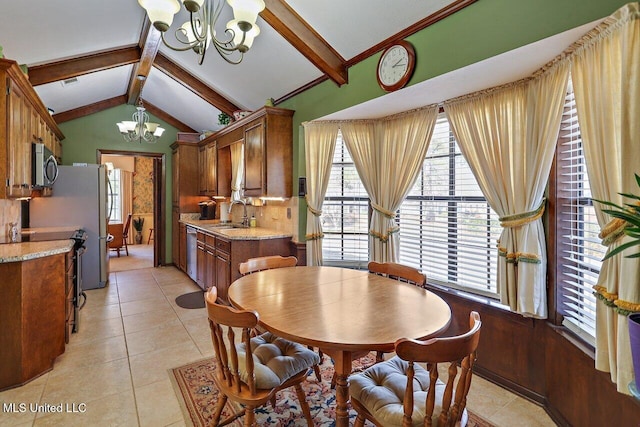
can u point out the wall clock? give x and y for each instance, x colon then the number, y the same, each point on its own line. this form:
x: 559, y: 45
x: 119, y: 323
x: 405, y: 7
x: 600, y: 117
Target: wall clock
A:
x: 396, y: 66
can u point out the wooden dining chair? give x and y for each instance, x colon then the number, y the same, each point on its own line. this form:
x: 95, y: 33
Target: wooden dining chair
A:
x: 399, y: 392
x: 401, y: 273
x: 250, y: 371
x: 125, y: 234
x: 253, y: 265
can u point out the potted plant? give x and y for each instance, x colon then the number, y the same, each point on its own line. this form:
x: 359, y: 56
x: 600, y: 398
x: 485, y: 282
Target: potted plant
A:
x: 224, y: 119
x: 627, y: 218
x: 137, y: 225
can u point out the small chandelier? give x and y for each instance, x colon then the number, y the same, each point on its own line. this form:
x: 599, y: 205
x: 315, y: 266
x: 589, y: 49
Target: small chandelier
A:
x: 140, y: 128
x: 199, y: 32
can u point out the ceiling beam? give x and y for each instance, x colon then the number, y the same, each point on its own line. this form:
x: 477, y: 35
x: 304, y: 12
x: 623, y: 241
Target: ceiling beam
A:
x: 149, y: 44
x: 87, y: 110
x: 282, y: 18
x: 195, y: 85
x: 77, y: 66
x: 167, y: 118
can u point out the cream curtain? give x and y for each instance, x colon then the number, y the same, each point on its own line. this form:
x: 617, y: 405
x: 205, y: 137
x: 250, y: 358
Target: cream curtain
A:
x: 508, y: 136
x: 319, y: 145
x: 606, y: 81
x: 388, y: 155
x: 237, y: 170
x: 126, y: 184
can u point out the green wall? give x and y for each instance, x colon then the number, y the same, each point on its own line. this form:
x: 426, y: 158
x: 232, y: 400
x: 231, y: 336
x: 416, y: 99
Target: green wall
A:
x: 480, y: 31
x: 84, y: 136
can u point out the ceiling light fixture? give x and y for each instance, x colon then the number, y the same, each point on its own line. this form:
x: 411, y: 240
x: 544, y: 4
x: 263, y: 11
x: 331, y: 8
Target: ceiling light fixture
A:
x: 199, y: 32
x: 140, y: 128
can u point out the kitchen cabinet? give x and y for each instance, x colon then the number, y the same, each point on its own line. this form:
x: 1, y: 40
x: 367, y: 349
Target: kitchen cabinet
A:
x: 184, y: 191
x: 33, y: 315
x: 223, y: 268
x: 210, y: 261
x: 201, y: 269
x: 268, y: 141
x: 208, y: 164
x: 70, y: 320
x: 267, y: 135
x: 23, y: 120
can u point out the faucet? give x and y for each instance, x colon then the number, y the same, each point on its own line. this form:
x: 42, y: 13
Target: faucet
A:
x: 245, y: 218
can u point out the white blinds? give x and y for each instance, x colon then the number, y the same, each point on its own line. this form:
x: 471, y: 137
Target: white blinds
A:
x: 447, y: 229
x: 580, y: 252
x: 345, y: 214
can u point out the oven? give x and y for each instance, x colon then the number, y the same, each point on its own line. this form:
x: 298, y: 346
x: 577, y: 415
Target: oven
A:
x: 79, y: 297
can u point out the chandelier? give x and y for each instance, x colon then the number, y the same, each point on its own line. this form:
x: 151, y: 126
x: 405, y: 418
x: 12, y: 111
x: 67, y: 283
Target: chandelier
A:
x: 199, y: 32
x: 139, y: 128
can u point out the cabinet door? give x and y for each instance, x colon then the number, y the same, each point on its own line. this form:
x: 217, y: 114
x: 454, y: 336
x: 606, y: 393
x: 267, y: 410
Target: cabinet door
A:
x: 210, y: 261
x: 175, y: 178
x: 254, y: 159
x: 176, y: 237
x: 202, y: 170
x: 18, y: 144
x: 201, y: 266
x: 211, y: 156
x: 182, y: 262
x: 223, y: 275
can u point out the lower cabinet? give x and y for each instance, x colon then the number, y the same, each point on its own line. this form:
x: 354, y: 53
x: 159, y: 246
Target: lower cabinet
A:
x: 218, y: 258
x: 33, y: 316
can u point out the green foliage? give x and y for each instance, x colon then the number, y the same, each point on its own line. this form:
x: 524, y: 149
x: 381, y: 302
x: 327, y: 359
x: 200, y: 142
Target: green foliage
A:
x: 224, y: 118
x: 630, y: 212
x: 138, y: 223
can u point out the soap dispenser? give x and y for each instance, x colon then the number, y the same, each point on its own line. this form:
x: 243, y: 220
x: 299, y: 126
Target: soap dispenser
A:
x: 252, y: 221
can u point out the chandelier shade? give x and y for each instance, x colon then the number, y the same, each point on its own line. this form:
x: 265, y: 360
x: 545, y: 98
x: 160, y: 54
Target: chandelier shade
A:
x: 198, y: 33
x: 140, y: 128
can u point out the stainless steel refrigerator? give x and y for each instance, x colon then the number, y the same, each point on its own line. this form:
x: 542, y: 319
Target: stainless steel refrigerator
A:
x: 79, y: 199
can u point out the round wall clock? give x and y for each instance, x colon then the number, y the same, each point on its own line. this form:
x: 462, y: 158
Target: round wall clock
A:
x: 396, y: 66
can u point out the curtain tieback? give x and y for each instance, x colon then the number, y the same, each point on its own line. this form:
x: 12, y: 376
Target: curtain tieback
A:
x: 316, y: 212
x: 612, y: 231
x: 611, y: 300
x: 234, y: 188
x: 383, y: 211
x: 520, y: 219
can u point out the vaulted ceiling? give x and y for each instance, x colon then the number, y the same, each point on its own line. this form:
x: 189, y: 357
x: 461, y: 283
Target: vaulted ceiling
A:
x: 86, y: 56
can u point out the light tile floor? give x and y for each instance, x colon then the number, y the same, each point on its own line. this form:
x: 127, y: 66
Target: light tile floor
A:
x: 131, y: 332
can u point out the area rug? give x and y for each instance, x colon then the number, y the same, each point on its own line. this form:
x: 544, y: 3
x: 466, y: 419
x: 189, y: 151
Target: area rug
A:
x: 197, y: 393
x: 191, y: 300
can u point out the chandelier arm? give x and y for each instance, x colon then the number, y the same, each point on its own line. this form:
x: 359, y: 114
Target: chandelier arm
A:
x: 179, y: 49
x: 225, y: 54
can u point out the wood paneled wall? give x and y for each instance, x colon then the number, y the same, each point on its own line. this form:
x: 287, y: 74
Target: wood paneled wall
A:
x: 534, y: 359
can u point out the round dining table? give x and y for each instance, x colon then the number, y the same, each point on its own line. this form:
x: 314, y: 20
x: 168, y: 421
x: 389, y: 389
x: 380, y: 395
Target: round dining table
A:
x: 341, y: 311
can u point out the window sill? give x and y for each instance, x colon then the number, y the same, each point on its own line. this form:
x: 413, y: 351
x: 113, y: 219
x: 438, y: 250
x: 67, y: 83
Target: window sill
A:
x: 567, y: 334
x: 469, y: 296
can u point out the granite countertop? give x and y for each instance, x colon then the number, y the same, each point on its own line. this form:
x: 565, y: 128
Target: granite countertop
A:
x: 16, y: 252
x: 214, y: 226
x: 40, y: 234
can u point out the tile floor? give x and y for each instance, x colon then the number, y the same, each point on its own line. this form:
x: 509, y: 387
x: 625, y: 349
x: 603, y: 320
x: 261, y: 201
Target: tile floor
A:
x: 132, y: 332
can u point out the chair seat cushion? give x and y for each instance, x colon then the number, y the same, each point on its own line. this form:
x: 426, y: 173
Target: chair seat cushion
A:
x: 381, y: 388
x: 275, y: 360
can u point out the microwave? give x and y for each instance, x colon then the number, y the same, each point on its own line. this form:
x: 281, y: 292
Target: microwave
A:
x: 44, y: 170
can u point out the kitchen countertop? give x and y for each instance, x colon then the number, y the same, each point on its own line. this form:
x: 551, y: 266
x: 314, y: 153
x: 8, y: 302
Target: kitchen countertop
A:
x: 16, y: 252
x: 40, y: 234
x: 226, y: 231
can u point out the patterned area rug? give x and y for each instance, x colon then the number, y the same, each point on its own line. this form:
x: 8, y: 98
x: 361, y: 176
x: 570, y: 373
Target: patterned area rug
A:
x: 198, y: 395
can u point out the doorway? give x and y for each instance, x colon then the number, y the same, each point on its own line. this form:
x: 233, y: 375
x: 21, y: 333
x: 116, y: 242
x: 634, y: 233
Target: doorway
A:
x: 155, y: 176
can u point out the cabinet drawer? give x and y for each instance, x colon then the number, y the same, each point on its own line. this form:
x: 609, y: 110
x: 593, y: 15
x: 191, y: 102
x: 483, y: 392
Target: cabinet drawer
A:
x: 200, y: 236
x: 223, y: 245
x: 210, y: 240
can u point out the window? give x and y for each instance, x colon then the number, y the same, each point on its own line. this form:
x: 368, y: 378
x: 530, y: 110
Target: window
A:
x: 114, y: 195
x: 447, y: 228
x: 345, y: 214
x: 579, y: 252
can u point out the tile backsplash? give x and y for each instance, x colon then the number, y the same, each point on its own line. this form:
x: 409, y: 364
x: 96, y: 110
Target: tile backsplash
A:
x: 10, y: 212
x: 275, y: 215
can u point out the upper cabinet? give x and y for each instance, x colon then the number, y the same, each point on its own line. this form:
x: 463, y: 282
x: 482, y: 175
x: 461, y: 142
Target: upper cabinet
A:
x: 208, y: 165
x: 184, y: 164
x: 23, y: 120
x: 267, y: 135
